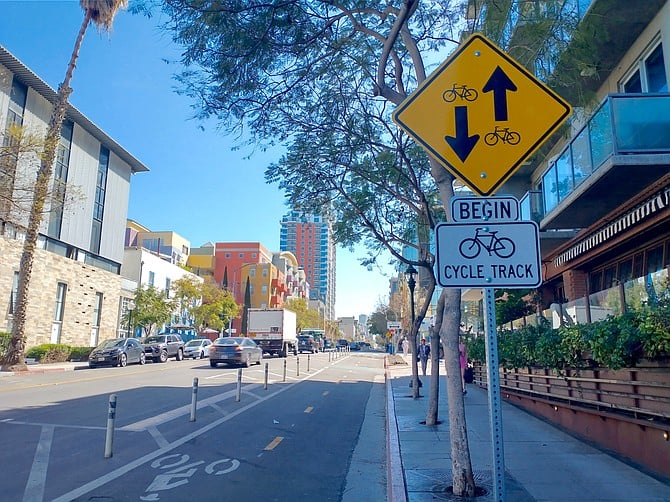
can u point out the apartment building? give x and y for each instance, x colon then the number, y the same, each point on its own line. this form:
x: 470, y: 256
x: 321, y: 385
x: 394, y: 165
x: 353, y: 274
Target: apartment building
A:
x: 310, y: 239
x: 600, y: 189
x: 76, y: 291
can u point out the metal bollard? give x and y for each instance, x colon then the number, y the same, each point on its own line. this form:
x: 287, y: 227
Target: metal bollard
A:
x: 238, y: 395
x: 297, y: 366
x: 265, y: 385
x: 111, y: 417
x: 307, y: 363
x: 284, y: 371
x: 194, y: 399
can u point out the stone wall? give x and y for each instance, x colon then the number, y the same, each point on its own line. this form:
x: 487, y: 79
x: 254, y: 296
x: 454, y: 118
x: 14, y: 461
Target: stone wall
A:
x: 83, y: 282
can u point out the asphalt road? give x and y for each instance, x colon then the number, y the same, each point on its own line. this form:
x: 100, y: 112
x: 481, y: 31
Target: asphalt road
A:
x: 317, y: 436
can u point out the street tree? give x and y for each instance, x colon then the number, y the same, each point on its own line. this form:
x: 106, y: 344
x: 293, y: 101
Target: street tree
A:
x: 305, y: 317
x: 216, y: 307
x: 322, y: 78
x: 152, y: 309
x: 186, y: 295
x: 101, y: 13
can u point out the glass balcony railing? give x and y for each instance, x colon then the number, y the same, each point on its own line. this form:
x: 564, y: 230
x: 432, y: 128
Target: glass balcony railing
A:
x: 622, y: 124
x: 614, y: 301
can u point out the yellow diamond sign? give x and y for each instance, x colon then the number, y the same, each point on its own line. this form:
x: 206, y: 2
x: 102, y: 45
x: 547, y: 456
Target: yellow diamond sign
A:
x: 481, y: 114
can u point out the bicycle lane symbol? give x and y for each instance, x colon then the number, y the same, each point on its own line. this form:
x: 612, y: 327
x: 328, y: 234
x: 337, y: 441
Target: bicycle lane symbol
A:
x: 471, y: 247
x: 180, y: 472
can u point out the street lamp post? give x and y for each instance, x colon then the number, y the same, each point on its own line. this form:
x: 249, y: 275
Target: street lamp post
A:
x: 130, y: 307
x: 411, y: 283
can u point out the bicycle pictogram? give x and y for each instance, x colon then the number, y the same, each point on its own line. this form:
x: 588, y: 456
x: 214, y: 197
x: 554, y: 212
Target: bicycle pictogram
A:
x: 177, y: 473
x: 459, y: 91
x: 502, y: 134
x: 502, y: 247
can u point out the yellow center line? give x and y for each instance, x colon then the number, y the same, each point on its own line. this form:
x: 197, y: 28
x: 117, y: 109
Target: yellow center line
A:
x: 309, y: 409
x: 273, y: 444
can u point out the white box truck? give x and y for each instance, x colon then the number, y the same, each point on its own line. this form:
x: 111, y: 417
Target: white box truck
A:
x: 274, y: 330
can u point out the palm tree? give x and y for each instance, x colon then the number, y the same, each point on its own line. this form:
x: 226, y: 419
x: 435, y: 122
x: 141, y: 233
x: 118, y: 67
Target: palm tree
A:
x: 101, y: 13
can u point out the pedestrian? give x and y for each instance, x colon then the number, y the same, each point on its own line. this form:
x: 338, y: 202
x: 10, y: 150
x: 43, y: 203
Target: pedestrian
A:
x: 405, y: 346
x: 424, y: 354
x: 463, y: 361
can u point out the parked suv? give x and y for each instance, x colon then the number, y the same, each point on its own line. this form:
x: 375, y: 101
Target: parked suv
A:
x: 307, y: 343
x: 159, y: 347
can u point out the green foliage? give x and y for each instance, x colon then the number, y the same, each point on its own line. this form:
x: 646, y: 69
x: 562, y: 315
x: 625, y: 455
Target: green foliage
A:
x: 80, y: 353
x: 512, y: 305
x: 305, y: 317
x: 4, y: 344
x: 49, y: 353
x: 613, y: 343
x: 151, y: 309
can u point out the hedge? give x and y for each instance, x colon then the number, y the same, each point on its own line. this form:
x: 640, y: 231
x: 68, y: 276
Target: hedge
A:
x: 613, y: 343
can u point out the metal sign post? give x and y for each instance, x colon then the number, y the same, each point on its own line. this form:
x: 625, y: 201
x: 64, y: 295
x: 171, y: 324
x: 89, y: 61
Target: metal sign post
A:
x: 495, y: 405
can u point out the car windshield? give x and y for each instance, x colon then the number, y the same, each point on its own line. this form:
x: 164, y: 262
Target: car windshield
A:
x: 154, y: 339
x: 194, y: 343
x: 108, y: 344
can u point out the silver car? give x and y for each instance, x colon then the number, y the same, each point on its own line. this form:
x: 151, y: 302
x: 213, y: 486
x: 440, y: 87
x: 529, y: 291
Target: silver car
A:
x: 197, y: 349
x: 234, y: 350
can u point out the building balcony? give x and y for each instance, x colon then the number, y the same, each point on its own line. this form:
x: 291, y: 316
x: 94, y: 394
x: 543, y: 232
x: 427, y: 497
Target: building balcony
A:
x: 623, y: 149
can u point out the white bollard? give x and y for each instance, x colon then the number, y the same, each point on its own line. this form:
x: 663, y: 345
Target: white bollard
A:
x: 307, y: 363
x: 238, y: 395
x: 265, y: 384
x: 284, y: 371
x: 111, y: 417
x: 297, y: 366
x: 194, y: 399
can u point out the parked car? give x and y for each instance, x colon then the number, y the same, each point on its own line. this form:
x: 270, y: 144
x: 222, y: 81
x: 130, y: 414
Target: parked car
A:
x: 354, y: 346
x: 117, y: 352
x: 197, y: 349
x: 307, y: 343
x: 159, y: 347
x: 328, y: 344
x: 234, y: 350
x: 342, y: 344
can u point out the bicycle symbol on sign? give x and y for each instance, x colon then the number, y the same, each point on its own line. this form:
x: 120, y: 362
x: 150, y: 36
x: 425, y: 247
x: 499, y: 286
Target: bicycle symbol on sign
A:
x: 502, y: 247
x: 459, y: 91
x: 179, y: 473
x: 502, y: 134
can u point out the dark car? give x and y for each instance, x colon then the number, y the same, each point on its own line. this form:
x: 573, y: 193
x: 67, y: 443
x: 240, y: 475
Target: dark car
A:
x: 159, y: 347
x: 307, y: 343
x: 234, y: 350
x: 354, y: 346
x: 117, y: 352
x: 342, y: 344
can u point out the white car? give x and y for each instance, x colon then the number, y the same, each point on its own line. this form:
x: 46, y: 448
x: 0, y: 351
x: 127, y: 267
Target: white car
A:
x: 197, y: 349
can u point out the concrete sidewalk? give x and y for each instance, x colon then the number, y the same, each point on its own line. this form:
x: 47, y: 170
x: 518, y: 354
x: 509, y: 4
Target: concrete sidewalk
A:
x: 542, y: 463
x: 46, y: 368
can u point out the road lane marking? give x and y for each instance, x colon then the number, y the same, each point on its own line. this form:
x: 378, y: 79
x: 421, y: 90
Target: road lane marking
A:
x: 38, y: 473
x: 309, y: 409
x: 158, y: 437
x: 273, y: 444
x: 325, y: 393
x: 125, y: 469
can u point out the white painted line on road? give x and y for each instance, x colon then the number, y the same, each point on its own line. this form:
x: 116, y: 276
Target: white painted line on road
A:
x: 38, y: 472
x: 160, y: 440
x: 117, y: 473
x: 219, y: 409
x: 41, y: 424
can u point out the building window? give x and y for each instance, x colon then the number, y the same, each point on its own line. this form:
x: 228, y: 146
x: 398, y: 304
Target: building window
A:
x: 252, y: 272
x: 152, y: 278
x: 167, y: 287
x: 17, y: 103
x: 99, y: 202
x: 14, y: 295
x: 648, y: 74
x: 97, y: 310
x: 265, y: 272
x: 60, y: 180
x: 227, y: 255
x: 264, y: 289
x: 59, y: 311
x: 241, y: 255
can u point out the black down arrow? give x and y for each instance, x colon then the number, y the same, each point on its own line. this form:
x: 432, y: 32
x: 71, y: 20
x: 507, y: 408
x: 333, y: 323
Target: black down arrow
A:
x: 462, y: 144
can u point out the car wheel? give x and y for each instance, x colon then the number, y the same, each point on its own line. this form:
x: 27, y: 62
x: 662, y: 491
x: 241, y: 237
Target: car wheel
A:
x: 123, y: 360
x: 202, y: 354
x: 163, y: 357
x: 212, y: 364
x: 91, y: 365
x: 180, y: 355
x: 143, y: 358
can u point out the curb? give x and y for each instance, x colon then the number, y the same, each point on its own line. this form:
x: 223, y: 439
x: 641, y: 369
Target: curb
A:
x: 38, y: 370
x: 396, y: 486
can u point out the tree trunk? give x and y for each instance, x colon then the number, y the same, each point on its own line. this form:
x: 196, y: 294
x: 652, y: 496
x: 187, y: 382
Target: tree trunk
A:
x: 434, y: 392
x: 15, y: 360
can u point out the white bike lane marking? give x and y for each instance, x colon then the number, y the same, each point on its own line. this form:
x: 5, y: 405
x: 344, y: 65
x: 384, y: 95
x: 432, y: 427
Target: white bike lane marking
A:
x: 179, y: 476
x: 38, y: 472
x: 125, y: 469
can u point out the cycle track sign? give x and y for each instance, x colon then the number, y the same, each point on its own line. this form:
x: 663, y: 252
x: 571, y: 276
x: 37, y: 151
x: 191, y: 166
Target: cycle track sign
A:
x: 481, y: 114
x: 503, y: 254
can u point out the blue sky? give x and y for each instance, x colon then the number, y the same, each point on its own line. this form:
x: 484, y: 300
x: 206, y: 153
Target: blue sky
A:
x: 199, y: 184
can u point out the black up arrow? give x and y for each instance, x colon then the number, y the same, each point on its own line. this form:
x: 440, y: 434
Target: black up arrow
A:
x: 462, y: 144
x: 499, y: 83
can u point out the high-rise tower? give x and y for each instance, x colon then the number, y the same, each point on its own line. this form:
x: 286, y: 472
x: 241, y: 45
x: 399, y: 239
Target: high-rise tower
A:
x: 310, y: 239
